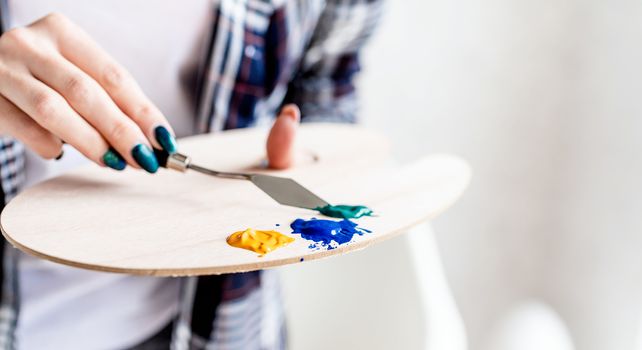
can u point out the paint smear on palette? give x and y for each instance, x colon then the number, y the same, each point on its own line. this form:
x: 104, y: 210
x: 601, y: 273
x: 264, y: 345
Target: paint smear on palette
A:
x: 258, y: 241
x: 345, y: 211
x: 327, y: 234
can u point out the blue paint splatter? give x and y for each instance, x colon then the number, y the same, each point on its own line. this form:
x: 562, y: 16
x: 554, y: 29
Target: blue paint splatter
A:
x: 301, y: 259
x: 278, y: 224
x: 326, y: 233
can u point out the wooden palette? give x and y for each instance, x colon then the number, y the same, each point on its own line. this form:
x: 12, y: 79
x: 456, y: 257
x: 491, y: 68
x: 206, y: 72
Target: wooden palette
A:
x: 175, y: 224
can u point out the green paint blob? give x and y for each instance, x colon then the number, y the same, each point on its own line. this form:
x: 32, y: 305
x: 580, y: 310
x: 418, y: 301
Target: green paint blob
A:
x: 345, y: 211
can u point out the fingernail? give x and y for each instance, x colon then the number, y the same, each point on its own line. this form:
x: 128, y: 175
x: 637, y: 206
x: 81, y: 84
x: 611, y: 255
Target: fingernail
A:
x: 62, y: 153
x: 292, y: 112
x: 145, y: 158
x: 292, y: 117
x: 165, y: 139
x: 114, y: 160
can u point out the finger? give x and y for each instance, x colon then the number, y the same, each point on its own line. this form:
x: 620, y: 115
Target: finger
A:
x: 280, y: 142
x: 50, y: 110
x: 77, y: 47
x: 94, y: 105
x: 17, y: 124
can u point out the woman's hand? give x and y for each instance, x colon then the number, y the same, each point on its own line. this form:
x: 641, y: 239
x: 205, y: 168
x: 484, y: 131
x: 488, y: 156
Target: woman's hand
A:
x: 57, y: 84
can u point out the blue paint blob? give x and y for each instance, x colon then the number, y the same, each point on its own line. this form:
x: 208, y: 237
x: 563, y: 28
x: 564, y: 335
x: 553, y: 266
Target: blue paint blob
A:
x: 278, y: 224
x: 301, y: 260
x: 326, y: 233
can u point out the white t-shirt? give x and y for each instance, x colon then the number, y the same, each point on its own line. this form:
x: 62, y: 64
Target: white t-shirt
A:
x: 68, y: 308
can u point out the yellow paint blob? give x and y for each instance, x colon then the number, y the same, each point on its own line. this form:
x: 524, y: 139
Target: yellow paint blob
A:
x: 261, y: 242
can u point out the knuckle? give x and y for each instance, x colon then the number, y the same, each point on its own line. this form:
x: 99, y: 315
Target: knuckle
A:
x: 113, y: 77
x: 15, y: 37
x: 144, y: 112
x: 119, y: 130
x: 44, y: 106
x: 55, y: 19
x: 77, y: 89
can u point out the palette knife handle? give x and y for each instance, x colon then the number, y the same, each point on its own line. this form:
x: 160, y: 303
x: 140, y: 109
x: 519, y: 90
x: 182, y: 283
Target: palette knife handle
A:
x: 181, y: 162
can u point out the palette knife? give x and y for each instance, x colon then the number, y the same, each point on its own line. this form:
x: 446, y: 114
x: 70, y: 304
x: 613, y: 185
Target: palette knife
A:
x: 284, y: 190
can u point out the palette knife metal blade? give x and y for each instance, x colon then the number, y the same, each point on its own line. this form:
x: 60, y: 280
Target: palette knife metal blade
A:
x: 284, y: 190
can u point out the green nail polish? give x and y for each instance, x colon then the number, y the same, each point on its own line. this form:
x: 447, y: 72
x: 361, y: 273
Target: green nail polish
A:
x: 114, y: 160
x: 165, y: 139
x: 145, y: 158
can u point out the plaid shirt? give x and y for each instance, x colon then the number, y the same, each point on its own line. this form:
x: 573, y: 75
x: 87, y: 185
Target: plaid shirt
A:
x: 262, y: 55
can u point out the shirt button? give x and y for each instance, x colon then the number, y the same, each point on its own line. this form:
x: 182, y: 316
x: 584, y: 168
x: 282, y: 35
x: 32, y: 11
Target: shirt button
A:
x: 250, y: 51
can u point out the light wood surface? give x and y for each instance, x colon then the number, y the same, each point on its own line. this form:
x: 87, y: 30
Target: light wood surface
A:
x: 175, y: 224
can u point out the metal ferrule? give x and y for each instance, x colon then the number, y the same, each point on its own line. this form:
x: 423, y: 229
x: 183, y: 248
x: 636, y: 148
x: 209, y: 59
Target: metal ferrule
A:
x: 178, y: 162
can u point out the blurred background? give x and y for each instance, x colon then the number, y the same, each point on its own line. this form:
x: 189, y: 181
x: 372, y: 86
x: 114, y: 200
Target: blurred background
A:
x: 543, y: 98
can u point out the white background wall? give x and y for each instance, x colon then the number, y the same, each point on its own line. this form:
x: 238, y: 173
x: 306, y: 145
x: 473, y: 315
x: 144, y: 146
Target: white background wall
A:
x: 544, y: 99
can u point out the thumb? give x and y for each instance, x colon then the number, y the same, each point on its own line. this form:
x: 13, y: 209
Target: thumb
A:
x: 280, y: 141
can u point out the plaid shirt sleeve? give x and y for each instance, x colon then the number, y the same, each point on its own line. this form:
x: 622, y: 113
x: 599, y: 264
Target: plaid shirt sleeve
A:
x: 323, y: 87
